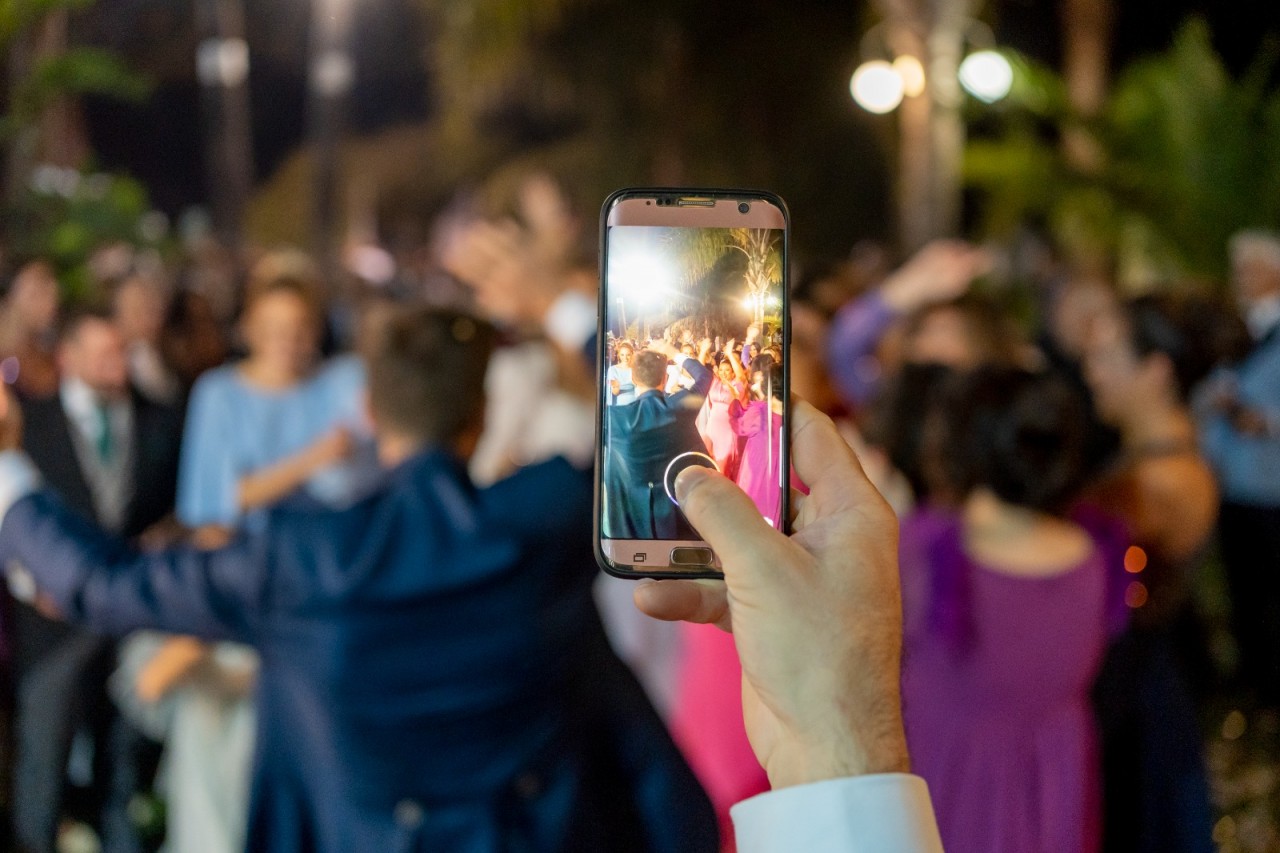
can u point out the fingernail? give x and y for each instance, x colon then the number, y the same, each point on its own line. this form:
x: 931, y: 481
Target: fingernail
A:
x: 687, y: 479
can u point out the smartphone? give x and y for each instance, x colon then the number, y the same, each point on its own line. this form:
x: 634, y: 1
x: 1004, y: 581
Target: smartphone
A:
x: 692, y: 368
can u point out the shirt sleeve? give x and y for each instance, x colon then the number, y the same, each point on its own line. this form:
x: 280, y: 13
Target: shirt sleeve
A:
x: 19, y: 477
x: 878, y: 813
x: 855, y: 333
x: 208, y: 479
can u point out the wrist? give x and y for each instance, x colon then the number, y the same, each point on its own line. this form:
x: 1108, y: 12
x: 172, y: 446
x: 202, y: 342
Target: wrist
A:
x: 842, y: 753
x: 899, y: 295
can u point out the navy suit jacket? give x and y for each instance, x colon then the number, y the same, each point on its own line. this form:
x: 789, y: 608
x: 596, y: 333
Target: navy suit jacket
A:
x: 643, y: 437
x: 434, y: 674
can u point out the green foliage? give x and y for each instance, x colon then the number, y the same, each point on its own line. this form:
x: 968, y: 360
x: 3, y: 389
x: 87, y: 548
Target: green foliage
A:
x: 65, y: 216
x: 1188, y: 156
x: 18, y: 15
x: 79, y: 71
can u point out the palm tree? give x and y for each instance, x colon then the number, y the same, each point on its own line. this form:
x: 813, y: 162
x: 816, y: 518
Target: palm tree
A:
x: 739, y: 256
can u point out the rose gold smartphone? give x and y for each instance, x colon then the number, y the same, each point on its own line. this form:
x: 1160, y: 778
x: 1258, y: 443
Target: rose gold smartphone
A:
x: 692, y: 361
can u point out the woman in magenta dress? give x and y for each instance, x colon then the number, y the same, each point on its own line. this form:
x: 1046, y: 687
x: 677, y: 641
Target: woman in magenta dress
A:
x: 759, y: 423
x: 729, y: 385
x: 1007, y: 607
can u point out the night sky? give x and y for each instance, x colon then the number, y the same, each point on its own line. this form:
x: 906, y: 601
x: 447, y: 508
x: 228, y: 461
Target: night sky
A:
x: 159, y: 142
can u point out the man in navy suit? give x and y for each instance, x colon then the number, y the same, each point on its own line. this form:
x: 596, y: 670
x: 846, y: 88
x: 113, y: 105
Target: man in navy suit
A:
x: 643, y: 437
x: 434, y: 674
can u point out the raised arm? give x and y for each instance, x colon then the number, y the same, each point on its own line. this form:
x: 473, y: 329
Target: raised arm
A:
x: 701, y: 376
x: 941, y: 271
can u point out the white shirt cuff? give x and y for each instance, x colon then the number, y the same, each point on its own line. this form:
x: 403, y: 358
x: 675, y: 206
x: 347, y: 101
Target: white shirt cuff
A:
x: 19, y: 477
x: 877, y: 813
x: 571, y: 320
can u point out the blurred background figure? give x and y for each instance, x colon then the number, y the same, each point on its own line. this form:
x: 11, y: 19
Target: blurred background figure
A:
x: 921, y: 302
x: 1239, y: 412
x: 112, y: 454
x: 140, y: 305
x: 28, y: 328
x: 1142, y: 363
x: 258, y: 430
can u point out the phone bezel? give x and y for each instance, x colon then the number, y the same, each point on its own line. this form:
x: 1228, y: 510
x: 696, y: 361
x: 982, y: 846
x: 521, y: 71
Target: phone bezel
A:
x: 630, y: 571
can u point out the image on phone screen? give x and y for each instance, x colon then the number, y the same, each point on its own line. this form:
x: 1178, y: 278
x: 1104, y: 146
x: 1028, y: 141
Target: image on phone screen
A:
x: 693, y: 321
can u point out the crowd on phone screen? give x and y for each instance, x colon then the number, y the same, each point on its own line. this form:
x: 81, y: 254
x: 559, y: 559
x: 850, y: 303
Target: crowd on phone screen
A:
x: 1063, y: 477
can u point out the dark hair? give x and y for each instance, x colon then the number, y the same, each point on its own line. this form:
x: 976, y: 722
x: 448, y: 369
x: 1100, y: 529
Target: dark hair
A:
x: 902, y: 418
x: 74, y: 320
x: 1021, y: 434
x: 1195, y: 333
x: 771, y: 382
x: 426, y: 372
x: 649, y: 368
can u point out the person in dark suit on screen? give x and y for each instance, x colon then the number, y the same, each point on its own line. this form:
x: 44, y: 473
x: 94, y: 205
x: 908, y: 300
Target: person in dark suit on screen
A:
x: 641, y: 441
x: 112, y: 456
x: 434, y: 674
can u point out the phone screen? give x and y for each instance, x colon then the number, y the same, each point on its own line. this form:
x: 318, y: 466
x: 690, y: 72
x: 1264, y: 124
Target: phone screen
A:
x: 693, y: 324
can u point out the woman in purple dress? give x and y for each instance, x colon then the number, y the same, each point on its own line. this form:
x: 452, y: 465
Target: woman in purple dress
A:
x: 1007, y: 606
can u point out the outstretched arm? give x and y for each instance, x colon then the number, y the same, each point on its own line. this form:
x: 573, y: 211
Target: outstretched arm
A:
x: 100, y: 581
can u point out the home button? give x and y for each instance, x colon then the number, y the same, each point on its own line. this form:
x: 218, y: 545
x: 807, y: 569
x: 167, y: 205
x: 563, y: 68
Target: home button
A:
x: 694, y: 557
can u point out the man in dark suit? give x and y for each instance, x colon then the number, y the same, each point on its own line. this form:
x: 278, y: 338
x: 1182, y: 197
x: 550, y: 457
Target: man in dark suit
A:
x: 642, y: 439
x: 434, y: 674
x: 112, y: 456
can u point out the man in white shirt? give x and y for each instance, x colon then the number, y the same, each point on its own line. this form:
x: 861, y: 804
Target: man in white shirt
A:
x: 817, y: 620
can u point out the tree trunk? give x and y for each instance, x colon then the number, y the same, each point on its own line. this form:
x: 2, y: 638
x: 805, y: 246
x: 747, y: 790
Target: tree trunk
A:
x: 930, y: 128
x: 224, y: 100
x: 58, y: 135
x: 1087, y: 28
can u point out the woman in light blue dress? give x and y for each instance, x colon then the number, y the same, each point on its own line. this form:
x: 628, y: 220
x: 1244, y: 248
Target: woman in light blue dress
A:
x: 621, y: 389
x: 273, y: 424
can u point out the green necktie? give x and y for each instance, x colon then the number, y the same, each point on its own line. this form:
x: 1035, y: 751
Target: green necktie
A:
x: 105, y: 445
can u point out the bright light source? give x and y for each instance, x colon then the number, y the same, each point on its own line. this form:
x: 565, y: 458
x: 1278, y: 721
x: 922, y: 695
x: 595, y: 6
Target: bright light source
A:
x: 986, y: 75
x: 749, y: 303
x: 642, y: 275
x: 876, y: 86
x: 912, y: 74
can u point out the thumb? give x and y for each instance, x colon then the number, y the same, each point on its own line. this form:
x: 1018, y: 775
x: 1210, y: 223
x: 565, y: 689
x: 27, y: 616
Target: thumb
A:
x: 725, y: 517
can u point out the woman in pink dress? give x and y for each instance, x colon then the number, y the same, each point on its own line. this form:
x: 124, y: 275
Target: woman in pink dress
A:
x: 760, y: 424
x: 729, y: 386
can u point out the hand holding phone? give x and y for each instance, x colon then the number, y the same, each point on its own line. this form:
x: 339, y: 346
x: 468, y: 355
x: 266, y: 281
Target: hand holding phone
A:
x: 676, y: 261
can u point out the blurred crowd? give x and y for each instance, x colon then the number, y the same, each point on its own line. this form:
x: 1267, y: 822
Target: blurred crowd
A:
x: 1068, y: 463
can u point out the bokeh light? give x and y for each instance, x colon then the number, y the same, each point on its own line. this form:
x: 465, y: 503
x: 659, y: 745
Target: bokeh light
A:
x: 911, y: 71
x: 1135, y: 560
x: 986, y: 75
x: 876, y: 87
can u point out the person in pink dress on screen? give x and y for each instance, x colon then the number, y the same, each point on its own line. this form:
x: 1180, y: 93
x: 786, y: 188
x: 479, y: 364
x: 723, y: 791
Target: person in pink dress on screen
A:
x: 759, y: 423
x: 729, y: 386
